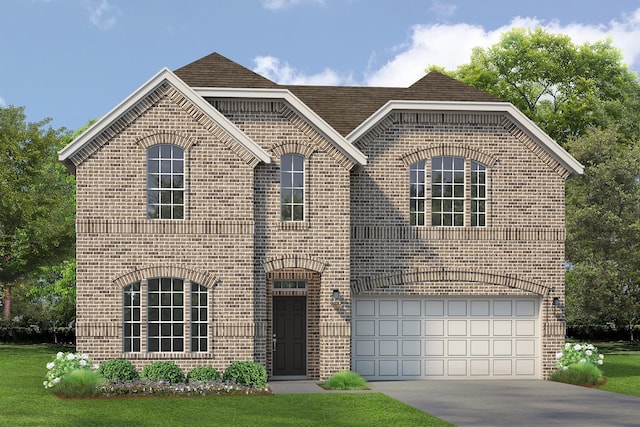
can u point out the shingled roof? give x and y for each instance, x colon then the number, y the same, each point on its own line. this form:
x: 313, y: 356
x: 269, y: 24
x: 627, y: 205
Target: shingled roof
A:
x: 342, y: 107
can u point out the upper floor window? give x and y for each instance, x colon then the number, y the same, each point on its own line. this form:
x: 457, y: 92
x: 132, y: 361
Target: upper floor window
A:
x: 165, y: 182
x: 292, y: 187
x: 449, y: 195
x: 168, y: 301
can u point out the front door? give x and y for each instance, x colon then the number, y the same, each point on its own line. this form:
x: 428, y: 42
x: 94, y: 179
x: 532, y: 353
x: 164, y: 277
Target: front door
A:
x: 290, y: 335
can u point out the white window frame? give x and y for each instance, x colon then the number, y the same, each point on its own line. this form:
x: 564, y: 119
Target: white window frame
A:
x: 292, y: 191
x: 165, y: 182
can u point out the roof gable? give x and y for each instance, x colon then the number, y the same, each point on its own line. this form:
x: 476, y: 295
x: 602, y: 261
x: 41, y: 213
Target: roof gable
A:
x: 99, y: 134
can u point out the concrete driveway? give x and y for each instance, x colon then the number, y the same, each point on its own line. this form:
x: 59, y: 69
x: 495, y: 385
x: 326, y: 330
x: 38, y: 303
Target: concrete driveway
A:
x: 515, y: 403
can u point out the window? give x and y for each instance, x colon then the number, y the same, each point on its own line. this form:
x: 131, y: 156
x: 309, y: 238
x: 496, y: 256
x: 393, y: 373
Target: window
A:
x: 131, y: 318
x: 165, y: 182
x: 478, y: 194
x: 165, y: 314
x: 289, y: 284
x: 292, y: 187
x: 167, y: 302
x: 199, y: 317
x: 448, y: 192
x: 417, y: 193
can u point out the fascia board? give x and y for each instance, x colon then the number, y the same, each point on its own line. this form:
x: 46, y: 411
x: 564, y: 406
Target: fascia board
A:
x: 341, y: 143
x: 552, y: 147
x: 140, y: 93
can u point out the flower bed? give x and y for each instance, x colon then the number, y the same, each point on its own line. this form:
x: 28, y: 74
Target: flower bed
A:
x: 165, y: 388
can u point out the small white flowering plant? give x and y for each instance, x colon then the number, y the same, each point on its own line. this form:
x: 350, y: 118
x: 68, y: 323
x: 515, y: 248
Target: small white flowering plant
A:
x: 578, y: 353
x: 64, y: 363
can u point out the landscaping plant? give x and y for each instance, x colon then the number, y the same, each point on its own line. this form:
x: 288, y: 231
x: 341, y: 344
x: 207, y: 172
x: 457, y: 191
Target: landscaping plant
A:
x: 346, y: 380
x: 163, y: 371
x: 65, y: 363
x: 578, y: 364
x: 246, y: 373
x: 203, y: 373
x: 118, y: 370
x: 78, y: 383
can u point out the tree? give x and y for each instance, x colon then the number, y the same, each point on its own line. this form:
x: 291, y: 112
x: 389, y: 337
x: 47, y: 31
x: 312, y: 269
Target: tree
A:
x: 37, y: 207
x: 588, y: 101
x: 603, y: 225
x: 562, y: 87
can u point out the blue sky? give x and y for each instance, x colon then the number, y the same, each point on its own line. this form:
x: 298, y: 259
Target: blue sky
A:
x: 74, y: 60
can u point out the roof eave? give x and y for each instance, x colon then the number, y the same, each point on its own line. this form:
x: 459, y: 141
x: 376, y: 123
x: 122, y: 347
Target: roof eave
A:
x: 163, y: 75
x: 552, y: 147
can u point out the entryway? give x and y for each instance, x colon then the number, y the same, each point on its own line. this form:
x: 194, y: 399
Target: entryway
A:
x: 289, y: 336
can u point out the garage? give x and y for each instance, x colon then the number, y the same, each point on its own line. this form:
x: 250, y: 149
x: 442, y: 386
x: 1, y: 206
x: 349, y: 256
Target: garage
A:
x: 403, y: 338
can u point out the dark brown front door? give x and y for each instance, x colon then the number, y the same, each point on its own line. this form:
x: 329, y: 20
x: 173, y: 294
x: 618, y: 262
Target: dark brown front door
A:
x: 290, y: 335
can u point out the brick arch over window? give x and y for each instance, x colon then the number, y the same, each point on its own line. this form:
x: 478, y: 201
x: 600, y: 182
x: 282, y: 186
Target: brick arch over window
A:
x: 447, y: 150
x: 166, y: 137
x: 294, y: 261
x: 204, y: 279
x: 445, y: 275
x: 293, y: 147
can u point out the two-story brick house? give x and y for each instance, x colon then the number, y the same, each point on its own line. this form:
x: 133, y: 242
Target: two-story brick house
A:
x: 401, y: 232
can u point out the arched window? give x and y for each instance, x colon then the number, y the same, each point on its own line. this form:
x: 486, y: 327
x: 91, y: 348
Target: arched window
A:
x: 168, y: 300
x: 450, y: 192
x: 165, y: 182
x: 292, y: 187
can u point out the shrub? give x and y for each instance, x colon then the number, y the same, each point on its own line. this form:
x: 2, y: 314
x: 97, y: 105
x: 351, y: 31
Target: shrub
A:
x: 78, y: 383
x: 346, y: 380
x: 579, y: 353
x: 578, y: 374
x: 246, y: 373
x: 163, y: 371
x: 203, y: 373
x: 64, y: 363
x: 118, y: 370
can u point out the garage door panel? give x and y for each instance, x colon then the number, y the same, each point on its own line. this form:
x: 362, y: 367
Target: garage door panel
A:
x: 388, y: 328
x: 412, y: 337
x: 411, y: 328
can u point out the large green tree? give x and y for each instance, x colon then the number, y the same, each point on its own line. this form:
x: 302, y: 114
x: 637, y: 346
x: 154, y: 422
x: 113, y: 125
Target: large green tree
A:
x: 587, y: 99
x: 37, y: 204
x: 563, y: 87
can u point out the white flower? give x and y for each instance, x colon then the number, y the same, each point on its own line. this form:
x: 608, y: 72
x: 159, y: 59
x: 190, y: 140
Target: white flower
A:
x: 600, y: 362
x: 82, y: 362
x: 46, y: 383
x: 84, y: 356
x: 564, y: 368
x: 577, y: 347
x: 567, y: 345
x: 56, y: 380
x: 94, y: 366
x: 559, y: 355
x: 59, y: 355
x: 601, y: 356
x: 71, y: 356
x: 588, y: 352
x: 590, y: 347
x: 51, y: 365
x: 583, y: 361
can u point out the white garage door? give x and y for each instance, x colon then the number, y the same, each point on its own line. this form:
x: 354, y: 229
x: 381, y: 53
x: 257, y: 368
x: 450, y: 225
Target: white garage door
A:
x: 448, y: 338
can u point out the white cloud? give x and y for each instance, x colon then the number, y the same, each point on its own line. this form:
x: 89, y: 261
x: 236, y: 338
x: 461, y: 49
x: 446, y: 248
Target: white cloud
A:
x: 3, y: 103
x: 286, y: 4
x: 283, y: 73
x: 443, y: 9
x: 103, y: 15
x: 450, y: 45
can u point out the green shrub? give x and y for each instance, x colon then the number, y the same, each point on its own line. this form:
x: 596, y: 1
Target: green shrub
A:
x: 346, y: 380
x: 578, y: 374
x: 203, y: 373
x: 163, y: 371
x: 78, y: 383
x: 118, y: 370
x: 246, y: 373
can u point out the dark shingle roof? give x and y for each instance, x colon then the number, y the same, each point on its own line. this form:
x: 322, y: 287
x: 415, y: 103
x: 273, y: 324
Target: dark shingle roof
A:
x: 342, y: 107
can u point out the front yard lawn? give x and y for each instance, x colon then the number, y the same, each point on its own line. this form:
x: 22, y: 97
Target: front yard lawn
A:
x: 621, y: 367
x: 25, y: 402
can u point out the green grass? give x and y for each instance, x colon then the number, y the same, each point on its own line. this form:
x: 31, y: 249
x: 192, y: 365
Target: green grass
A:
x: 623, y: 373
x: 25, y: 402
